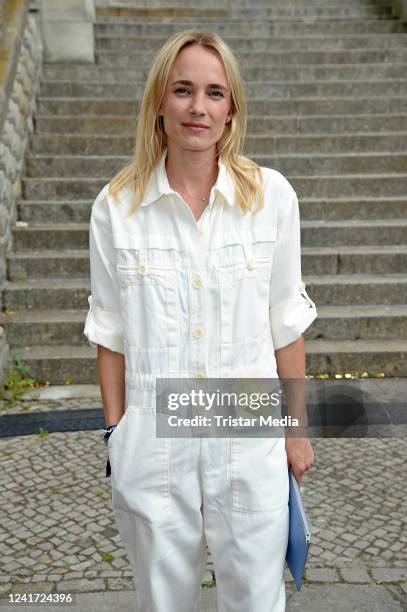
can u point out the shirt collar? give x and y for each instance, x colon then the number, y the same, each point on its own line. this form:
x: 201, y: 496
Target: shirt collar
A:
x: 158, y: 184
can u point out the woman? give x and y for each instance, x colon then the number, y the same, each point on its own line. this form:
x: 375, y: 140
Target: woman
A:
x: 195, y: 272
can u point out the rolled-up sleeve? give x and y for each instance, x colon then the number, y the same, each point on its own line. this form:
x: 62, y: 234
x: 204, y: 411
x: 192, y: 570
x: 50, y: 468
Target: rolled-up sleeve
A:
x: 291, y: 308
x: 103, y: 323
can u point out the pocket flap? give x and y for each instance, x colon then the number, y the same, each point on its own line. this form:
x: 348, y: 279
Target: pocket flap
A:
x: 256, y: 234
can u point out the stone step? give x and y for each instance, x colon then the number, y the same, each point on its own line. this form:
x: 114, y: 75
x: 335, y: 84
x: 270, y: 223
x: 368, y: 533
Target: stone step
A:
x: 78, y: 365
x: 347, y: 289
x: 106, y: 6
x: 112, y: 30
x: 53, y: 327
x: 302, y: 73
x: 78, y: 211
x: 65, y: 293
x: 246, y: 44
x: 384, y: 357
x: 94, y: 166
x: 272, y: 145
x: 47, y: 263
x: 316, y: 124
x: 222, y: 4
x: 158, y: 12
x: 264, y: 58
x: 352, y: 208
x: 340, y: 259
x: 359, y: 322
x: 354, y: 233
x: 60, y: 365
x: 299, y: 107
x: 254, y: 89
x: 308, y: 186
x: 46, y: 327
x: 314, y: 233
x: 256, y: 12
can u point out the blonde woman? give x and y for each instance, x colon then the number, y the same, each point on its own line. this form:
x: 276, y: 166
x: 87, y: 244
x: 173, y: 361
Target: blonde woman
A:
x: 195, y: 272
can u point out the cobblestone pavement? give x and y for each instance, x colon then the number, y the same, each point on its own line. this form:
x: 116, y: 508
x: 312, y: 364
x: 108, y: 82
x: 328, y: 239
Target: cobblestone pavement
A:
x: 57, y: 529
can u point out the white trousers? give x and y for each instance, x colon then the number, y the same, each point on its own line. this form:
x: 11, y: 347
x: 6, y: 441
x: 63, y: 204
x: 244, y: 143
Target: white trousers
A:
x: 170, y: 494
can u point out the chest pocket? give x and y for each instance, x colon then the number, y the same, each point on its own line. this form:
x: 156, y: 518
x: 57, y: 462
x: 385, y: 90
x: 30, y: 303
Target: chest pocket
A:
x: 243, y: 275
x: 147, y: 278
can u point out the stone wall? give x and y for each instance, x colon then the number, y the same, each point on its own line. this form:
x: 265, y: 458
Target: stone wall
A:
x: 20, y: 67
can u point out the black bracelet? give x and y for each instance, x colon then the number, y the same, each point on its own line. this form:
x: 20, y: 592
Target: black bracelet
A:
x: 108, y: 432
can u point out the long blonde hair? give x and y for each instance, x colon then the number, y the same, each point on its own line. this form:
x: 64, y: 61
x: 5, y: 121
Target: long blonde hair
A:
x: 151, y: 139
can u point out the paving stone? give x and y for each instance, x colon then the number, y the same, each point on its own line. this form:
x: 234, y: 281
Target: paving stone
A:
x: 83, y: 585
x: 120, y: 584
x: 355, y: 575
x: 389, y: 574
x: 39, y: 577
x: 372, y: 550
x: 321, y: 575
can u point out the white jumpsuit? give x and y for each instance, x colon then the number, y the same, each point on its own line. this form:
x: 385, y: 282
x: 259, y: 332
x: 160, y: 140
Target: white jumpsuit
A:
x: 212, y: 299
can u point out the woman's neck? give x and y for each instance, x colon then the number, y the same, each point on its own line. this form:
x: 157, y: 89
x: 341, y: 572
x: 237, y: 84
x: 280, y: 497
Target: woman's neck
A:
x: 192, y: 171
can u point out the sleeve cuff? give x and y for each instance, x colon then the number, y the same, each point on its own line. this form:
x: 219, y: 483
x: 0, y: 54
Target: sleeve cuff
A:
x: 289, y: 320
x: 105, y: 328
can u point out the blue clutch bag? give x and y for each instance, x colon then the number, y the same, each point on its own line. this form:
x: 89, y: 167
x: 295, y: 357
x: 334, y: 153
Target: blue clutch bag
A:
x: 299, y: 534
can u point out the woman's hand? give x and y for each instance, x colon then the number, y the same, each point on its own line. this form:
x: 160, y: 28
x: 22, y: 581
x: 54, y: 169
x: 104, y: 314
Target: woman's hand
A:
x: 300, y: 455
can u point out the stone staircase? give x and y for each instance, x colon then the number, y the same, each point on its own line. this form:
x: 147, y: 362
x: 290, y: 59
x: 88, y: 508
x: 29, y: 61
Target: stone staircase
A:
x: 327, y: 94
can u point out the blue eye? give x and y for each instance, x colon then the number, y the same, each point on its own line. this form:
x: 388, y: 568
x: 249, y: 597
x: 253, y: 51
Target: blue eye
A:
x: 182, y: 89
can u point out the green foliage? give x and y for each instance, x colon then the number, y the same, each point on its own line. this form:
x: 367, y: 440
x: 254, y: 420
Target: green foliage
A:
x: 16, y: 382
x: 108, y: 557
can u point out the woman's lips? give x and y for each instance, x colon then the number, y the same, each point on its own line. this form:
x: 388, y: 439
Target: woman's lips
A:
x: 194, y: 128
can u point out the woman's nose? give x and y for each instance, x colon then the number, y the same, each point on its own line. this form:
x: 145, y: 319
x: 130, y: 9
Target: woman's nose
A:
x: 198, y: 104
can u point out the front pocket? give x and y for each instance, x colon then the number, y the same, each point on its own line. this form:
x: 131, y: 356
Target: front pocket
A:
x: 244, y: 296
x: 243, y: 272
x: 116, y: 431
x: 259, y: 474
x: 140, y: 467
x: 149, y: 313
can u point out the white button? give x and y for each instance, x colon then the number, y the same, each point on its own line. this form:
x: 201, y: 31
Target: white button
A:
x: 198, y: 332
x: 251, y: 264
x: 202, y: 232
x: 199, y: 375
x: 90, y: 299
x: 197, y: 283
x: 142, y: 269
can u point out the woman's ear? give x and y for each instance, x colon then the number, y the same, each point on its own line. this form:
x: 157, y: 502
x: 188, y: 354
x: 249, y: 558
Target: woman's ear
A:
x: 230, y: 115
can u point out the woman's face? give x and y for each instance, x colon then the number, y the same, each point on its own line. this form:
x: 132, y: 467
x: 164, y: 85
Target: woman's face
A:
x: 197, y: 92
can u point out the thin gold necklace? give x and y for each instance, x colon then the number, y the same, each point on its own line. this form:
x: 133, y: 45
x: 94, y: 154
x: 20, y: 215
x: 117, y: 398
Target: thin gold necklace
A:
x: 202, y: 198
